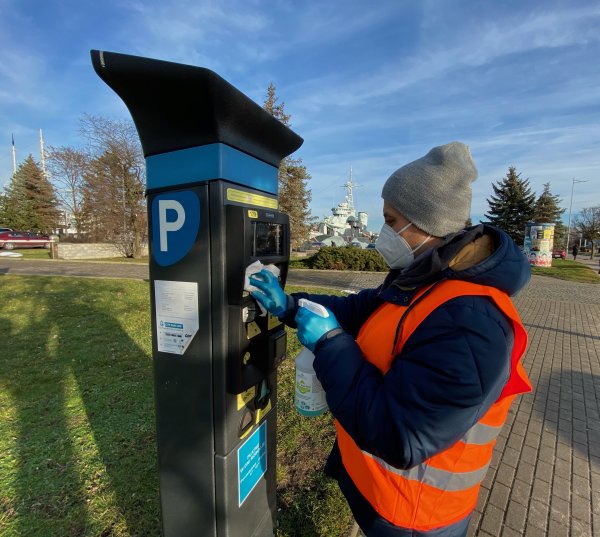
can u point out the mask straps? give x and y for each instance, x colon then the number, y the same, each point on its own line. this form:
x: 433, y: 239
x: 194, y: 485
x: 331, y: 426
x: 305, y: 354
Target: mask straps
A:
x: 405, y: 227
x: 419, y: 246
x: 415, y: 249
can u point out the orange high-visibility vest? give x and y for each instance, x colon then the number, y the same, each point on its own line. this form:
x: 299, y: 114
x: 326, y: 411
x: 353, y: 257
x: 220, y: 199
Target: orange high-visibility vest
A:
x: 443, y: 489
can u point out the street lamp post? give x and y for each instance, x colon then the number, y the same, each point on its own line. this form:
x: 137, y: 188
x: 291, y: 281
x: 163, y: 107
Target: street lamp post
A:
x: 570, y: 206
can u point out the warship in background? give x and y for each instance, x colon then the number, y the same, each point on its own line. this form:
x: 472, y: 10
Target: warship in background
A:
x: 345, y: 226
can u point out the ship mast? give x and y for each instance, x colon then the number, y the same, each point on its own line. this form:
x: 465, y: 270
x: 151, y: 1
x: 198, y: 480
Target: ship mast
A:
x: 349, y: 186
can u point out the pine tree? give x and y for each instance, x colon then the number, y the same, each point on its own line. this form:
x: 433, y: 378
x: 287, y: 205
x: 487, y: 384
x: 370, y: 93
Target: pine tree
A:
x: 547, y: 207
x: 294, y: 196
x: 30, y: 203
x: 548, y: 210
x: 512, y: 205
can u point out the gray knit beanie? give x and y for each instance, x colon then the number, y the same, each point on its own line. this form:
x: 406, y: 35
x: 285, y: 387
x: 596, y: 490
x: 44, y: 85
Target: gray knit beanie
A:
x: 434, y: 192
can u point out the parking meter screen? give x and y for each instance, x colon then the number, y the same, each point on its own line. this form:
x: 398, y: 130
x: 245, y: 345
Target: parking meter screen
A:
x: 268, y: 239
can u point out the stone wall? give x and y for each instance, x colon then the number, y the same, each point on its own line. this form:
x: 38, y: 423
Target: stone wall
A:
x: 89, y: 251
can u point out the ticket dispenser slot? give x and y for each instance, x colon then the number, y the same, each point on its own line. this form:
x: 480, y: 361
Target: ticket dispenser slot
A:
x: 257, y: 341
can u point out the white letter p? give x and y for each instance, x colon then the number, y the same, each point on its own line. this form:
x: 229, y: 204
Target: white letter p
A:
x: 166, y: 226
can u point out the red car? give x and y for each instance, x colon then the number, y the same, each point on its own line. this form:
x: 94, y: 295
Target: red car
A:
x: 559, y: 253
x: 10, y: 240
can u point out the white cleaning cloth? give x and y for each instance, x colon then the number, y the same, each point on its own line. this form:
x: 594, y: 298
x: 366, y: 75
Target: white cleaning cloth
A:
x: 253, y: 268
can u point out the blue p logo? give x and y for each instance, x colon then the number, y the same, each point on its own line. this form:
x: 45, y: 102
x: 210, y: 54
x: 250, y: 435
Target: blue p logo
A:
x: 175, y: 223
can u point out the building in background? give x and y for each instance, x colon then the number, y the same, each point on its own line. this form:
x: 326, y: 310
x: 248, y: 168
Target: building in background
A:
x: 345, y: 225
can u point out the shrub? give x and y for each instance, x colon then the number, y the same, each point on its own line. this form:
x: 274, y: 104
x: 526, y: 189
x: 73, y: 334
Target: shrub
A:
x: 347, y: 258
x: 303, y: 263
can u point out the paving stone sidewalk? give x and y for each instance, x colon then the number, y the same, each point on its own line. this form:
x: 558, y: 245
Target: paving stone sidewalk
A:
x: 545, y: 475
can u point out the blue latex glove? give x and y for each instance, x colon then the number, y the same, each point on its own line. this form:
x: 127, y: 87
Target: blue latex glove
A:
x: 312, y: 326
x: 271, y: 295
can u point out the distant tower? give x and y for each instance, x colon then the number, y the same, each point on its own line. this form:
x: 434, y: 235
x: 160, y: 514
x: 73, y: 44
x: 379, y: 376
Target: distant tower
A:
x: 14, y: 155
x: 349, y: 185
x: 42, y: 155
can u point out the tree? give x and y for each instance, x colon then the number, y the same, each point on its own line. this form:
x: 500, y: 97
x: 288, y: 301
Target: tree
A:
x: 547, y: 207
x: 293, y: 177
x: 113, y: 203
x: 587, y: 222
x: 30, y: 201
x: 560, y: 235
x: 68, y: 167
x: 548, y: 210
x: 512, y: 205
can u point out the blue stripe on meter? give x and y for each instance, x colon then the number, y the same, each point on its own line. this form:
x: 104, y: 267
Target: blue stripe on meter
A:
x: 252, y: 462
x: 206, y: 162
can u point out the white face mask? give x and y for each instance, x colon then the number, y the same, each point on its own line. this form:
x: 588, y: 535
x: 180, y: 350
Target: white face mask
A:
x: 394, y: 248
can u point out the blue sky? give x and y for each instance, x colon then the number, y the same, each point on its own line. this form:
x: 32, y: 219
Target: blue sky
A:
x: 372, y: 85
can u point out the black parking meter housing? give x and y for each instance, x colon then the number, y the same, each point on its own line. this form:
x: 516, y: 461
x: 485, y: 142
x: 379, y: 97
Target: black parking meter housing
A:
x: 212, y: 158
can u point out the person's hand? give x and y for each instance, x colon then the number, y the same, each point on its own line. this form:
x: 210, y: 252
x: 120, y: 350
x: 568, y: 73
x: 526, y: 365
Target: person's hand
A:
x: 270, y: 293
x: 312, y: 326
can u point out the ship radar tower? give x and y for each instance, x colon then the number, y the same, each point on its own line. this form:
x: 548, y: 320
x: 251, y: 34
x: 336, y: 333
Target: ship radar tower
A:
x: 349, y: 185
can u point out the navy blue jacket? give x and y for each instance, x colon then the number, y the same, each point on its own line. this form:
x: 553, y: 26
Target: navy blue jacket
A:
x: 450, y: 371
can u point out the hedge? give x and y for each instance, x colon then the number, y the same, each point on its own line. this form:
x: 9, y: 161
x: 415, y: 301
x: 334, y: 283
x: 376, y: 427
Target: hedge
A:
x: 345, y: 258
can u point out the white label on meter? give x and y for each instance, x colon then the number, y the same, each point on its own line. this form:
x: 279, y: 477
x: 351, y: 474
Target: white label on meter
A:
x: 176, y: 305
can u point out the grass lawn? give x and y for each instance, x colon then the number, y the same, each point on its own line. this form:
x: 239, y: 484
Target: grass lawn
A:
x: 33, y: 253
x: 140, y: 260
x: 42, y: 253
x: 77, y: 440
x: 565, y: 269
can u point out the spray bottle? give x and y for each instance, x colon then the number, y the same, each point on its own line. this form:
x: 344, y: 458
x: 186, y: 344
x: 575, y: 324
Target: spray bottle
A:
x: 310, y: 396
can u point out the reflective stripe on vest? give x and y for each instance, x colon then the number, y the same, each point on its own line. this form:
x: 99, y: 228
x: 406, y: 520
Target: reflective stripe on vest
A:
x: 441, y: 479
x: 443, y: 489
x: 481, y: 434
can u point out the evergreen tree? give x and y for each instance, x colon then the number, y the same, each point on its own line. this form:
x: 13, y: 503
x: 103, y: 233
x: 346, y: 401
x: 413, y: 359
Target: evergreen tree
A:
x: 548, y: 210
x: 294, y: 196
x: 512, y: 205
x: 30, y: 202
x: 547, y: 207
x: 560, y: 235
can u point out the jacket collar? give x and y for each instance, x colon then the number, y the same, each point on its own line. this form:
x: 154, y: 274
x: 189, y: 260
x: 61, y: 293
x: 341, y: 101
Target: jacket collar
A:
x: 433, y: 264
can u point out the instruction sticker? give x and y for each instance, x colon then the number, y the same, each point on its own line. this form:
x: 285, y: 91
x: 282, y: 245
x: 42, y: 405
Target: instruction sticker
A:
x: 252, y: 462
x: 248, y: 198
x: 176, y: 305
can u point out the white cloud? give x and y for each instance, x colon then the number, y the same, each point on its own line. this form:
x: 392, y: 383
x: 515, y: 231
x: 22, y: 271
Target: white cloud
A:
x: 519, y: 86
x: 475, y: 45
x: 542, y: 155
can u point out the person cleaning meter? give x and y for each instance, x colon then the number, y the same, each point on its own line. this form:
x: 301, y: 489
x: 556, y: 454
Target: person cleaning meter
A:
x: 419, y: 373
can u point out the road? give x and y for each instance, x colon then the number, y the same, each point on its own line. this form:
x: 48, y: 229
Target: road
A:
x: 351, y: 281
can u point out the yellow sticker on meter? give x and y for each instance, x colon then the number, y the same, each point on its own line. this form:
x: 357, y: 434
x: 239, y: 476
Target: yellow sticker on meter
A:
x: 252, y: 214
x: 252, y: 330
x: 248, y: 198
x: 262, y: 412
x: 272, y: 322
x: 245, y: 397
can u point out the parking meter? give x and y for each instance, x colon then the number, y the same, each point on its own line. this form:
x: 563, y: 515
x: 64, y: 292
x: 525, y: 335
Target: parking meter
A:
x: 212, y: 158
